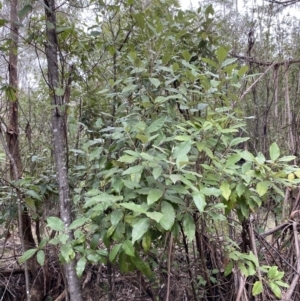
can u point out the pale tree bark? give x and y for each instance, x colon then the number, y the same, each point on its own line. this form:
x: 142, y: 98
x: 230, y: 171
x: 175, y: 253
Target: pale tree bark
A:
x: 59, y: 145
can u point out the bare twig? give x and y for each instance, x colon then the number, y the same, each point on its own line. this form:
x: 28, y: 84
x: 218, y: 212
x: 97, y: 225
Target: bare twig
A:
x: 169, y: 266
x: 290, y: 291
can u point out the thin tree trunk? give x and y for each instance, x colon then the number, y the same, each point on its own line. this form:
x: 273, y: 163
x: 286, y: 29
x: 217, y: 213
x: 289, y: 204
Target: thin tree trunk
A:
x: 288, y: 110
x: 12, y: 134
x: 58, y: 133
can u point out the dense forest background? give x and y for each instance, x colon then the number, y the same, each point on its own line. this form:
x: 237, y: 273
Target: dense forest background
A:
x: 149, y: 152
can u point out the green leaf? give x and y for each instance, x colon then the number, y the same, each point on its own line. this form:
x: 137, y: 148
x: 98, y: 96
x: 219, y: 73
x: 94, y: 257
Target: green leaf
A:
x: 129, y: 88
x: 221, y: 54
x: 273, y: 271
x: 134, y: 169
x: 78, y: 223
x: 24, y: 11
x: 238, y: 140
x: 287, y: 158
x: 257, y: 288
x: 40, y: 257
x: 59, y: 91
x: 243, y: 70
x: 226, y: 191
x: 168, y: 217
x: 156, y: 216
x: 43, y: 242
x: 274, y: 151
x: 55, y: 223
x: 140, y: 228
x: 80, y: 266
x: 156, y: 125
x: 33, y: 194
x: 116, y: 216
x: 240, y: 189
x: 157, y: 171
x: 67, y: 252
x: 133, y: 207
x: 186, y: 55
x: 154, y: 196
x: 282, y: 284
x: 113, y: 253
x: 182, y: 149
x: 28, y: 254
x: 128, y: 248
x: 189, y: 228
x: 275, y: 289
x: 155, y: 82
x: 127, y: 159
x: 228, y: 269
x: 262, y: 188
x: 209, y: 191
x: 199, y: 200
x: 142, y: 266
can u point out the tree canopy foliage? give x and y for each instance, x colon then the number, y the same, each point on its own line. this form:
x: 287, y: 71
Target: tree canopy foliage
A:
x: 148, y: 148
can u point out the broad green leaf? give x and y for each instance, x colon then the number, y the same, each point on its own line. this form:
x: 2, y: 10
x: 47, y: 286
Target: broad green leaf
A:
x: 157, y: 171
x: 262, y: 188
x: 129, y: 88
x: 243, y: 269
x: 168, y: 217
x: 221, y: 54
x: 257, y: 288
x: 189, y: 227
x: 240, y: 189
x: 146, y: 242
x: 116, y: 216
x: 128, y: 248
x: 156, y: 216
x: 156, y: 125
x: 33, y: 194
x: 114, y: 251
x: 260, y: 158
x: 275, y: 289
x: 274, y: 151
x: 142, y: 266
x: 287, y: 158
x: 252, y: 257
x: 95, y: 154
x: 40, y: 257
x: 59, y: 91
x: 67, y: 252
x: 43, y: 242
x: 133, y: 207
x: 154, y: 196
x: 182, y: 149
x: 226, y: 191
x: 140, y: 228
x: 209, y: 191
x: 78, y: 223
x: 155, y: 82
x: 243, y: 70
x: 228, y: 269
x: 282, y: 284
x: 28, y: 254
x: 133, y: 170
x: 80, y: 266
x: 247, y: 156
x: 186, y: 55
x: 127, y: 159
x: 273, y: 271
x: 55, y: 223
x: 24, y: 11
x: 199, y: 200
x: 238, y: 140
